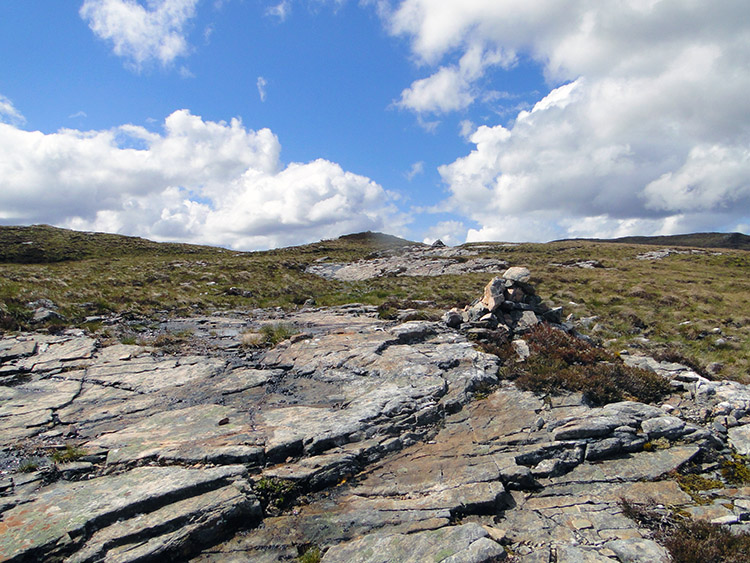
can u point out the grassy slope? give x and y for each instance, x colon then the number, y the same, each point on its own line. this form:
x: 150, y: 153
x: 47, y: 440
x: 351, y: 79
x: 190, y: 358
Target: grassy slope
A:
x: 91, y: 274
x: 738, y: 241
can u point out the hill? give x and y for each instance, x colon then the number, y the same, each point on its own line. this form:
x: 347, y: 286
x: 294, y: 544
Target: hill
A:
x: 736, y: 241
x: 39, y: 244
x: 691, y: 304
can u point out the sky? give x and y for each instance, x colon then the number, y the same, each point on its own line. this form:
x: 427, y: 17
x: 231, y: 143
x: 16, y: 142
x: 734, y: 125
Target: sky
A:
x: 254, y: 124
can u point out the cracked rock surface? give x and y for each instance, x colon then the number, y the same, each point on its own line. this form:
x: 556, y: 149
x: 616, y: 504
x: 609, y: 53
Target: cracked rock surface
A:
x: 369, y: 440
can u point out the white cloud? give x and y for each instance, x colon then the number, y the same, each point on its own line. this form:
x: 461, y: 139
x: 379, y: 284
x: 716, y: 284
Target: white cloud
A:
x: 9, y: 113
x: 280, y: 10
x: 452, y: 88
x: 416, y: 169
x: 198, y: 181
x: 142, y: 34
x: 77, y: 115
x: 261, y: 84
x: 646, y: 125
x: 451, y: 233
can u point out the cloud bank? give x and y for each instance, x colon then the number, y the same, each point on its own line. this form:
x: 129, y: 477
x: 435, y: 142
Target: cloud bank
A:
x: 198, y: 181
x: 646, y: 128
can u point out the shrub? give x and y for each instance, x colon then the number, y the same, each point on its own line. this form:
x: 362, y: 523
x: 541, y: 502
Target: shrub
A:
x: 690, y: 541
x: 561, y: 362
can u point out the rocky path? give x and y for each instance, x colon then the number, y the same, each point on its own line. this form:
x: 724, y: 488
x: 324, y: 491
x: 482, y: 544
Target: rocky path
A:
x: 368, y: 440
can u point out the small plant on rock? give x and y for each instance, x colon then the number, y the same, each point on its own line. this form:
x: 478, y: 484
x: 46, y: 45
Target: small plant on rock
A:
x: 275, y: 494
x: 277, y: 332
x: 28, y: 466
x: 69, y: 454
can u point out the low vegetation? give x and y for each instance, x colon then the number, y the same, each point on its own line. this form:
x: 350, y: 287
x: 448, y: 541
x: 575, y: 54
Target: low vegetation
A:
x: 561, y: 362
x: 692, y: 307
x: 68, y: 454
x: 688, y: 540
x: 275, y: 494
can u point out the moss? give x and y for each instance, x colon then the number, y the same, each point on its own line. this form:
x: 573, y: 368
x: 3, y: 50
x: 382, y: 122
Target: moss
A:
x: 656, y: 444
x: 693, y: 484
x: 311, y: 555
x: 735, y: 470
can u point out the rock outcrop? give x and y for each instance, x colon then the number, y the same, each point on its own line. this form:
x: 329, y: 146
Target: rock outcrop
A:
x: 365, y: 439
x: 436, y: 260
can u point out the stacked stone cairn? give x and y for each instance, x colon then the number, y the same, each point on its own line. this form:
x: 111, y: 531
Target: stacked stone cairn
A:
x: 508, y: 308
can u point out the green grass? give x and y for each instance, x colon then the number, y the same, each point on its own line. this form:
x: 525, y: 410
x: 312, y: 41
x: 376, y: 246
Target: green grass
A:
x: 70, y: 453
x: 89, y: 275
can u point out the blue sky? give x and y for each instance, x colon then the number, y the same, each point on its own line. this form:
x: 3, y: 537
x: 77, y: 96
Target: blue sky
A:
x: 254, y: 124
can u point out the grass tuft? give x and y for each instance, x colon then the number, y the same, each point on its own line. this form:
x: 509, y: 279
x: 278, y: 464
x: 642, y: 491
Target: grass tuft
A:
x: 70, y: 453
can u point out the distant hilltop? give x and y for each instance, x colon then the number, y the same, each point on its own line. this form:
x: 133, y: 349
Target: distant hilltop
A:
x: 736, y: 241
x: 38, y: 244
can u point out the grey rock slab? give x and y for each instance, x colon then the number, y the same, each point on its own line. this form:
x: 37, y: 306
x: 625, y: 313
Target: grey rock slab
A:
x: 468, y: 543
x: 157, y: 533
x: 670, y: 427
x: 665, y: 492
x: 147, y: 374
x: 191, y: 434
x: 632, y: 410
x: 638, y: 551
x: 96, y: 403
x: 635, y: 467
x: 739, y: 439
x: 316, y: 472
x: 12, y: 349
x: 58, y: 351
x: 590, y: 427
x: 71, y: 510
x: 574, y: 554
x: 241, y: 379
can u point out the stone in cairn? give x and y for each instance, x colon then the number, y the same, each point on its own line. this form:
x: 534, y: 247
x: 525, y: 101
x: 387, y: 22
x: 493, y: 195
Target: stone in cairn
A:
x: 508, y: 307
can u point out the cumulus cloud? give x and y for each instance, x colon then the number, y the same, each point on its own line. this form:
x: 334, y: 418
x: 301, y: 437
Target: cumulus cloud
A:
x: 197, y: 181
x: 452, y: 88
x: 141, y: 34
x: 644, y: 130
x: 9, y: 113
